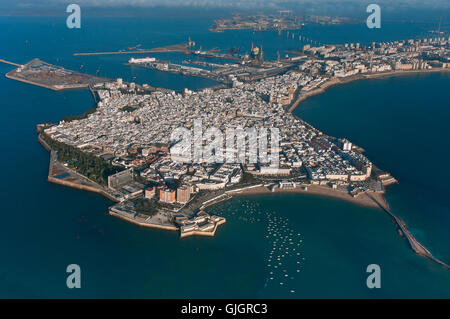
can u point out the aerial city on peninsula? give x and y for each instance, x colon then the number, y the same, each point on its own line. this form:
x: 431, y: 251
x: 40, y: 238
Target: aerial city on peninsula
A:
x: 255, y: 147
x: 131, y: 130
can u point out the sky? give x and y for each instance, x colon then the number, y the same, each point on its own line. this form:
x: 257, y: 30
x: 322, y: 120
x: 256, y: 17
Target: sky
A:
x: 224, y: 3
x: 414, y: 9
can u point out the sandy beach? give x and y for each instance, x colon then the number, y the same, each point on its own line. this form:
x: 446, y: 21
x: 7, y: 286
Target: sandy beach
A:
x: 338, y: 81
x: 362, y: 199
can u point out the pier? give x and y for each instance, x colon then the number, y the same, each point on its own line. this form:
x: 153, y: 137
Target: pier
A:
x: 170, y: 48
x: 53, y: 77
x: 11, y: 63
x: 183, y: 70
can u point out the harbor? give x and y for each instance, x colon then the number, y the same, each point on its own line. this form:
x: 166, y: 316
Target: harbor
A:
x: 165, y: 66
x: 171, y: 48
x: 245, y: 69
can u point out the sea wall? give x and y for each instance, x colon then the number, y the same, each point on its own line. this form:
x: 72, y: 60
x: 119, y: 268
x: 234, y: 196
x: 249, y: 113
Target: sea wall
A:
x: 80, y: 187
x: 200, y: 233
x: 143, y: 224
x: 51, y: 87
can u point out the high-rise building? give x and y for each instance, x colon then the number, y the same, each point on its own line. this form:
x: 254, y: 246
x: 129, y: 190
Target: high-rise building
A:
x: 345, y: 144
x: 150, y: 192
x: 167, y: 195
x: 119, y: 179
x: 183, y: 194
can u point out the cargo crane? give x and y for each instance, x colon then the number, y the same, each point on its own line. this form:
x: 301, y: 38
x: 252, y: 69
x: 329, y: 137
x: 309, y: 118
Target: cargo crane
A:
x: 285, y: 13
x: 234, y: 50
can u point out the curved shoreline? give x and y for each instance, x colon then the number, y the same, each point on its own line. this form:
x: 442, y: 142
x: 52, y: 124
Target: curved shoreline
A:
x: 414, y: 244
x: 336, y: 81
x: 314, y: 190
x: 374, y: 200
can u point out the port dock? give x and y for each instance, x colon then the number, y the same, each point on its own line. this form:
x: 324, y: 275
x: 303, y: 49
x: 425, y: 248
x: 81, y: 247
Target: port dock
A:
x: 53, y: 77
x: 171, y: 48
x: 11, y: 63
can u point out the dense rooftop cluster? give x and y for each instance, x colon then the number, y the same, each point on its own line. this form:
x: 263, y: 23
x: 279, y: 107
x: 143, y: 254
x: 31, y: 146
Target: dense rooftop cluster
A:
x: 134, y: 130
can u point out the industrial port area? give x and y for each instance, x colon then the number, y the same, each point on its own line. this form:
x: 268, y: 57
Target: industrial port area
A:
x: 247, y: 69
x: 52, y: 77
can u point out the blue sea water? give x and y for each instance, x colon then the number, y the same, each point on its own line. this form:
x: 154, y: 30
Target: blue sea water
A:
x: 45, y: 227
x: 401, y: 122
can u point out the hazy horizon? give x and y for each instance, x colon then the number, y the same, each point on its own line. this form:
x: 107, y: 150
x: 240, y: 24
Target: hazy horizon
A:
x: 426, y: 10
